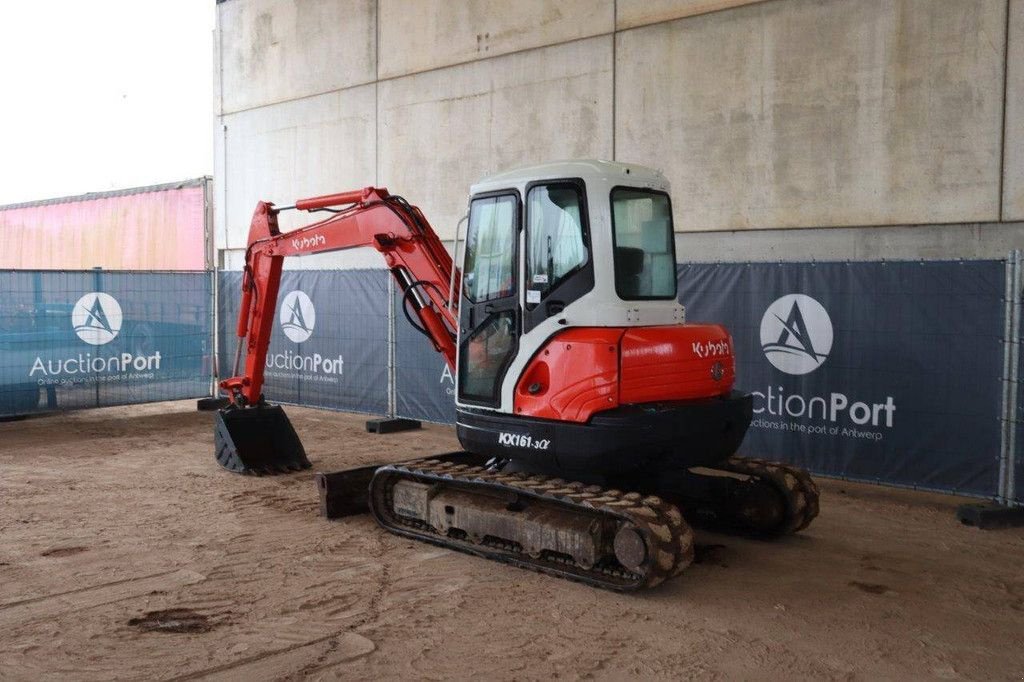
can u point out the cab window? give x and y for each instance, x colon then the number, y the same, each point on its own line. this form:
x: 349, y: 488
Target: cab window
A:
x: 556, y: 238
x: 645, y: 256
x: 490, y: 249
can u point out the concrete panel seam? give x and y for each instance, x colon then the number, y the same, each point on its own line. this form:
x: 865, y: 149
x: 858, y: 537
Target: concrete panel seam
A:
x: 841, y: 226
x: 1006, y: 93
x: 705, y: 13
x: 614, y: 68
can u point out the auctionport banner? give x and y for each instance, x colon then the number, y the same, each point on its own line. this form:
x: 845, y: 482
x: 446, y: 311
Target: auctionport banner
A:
x: 329, y: 343
x: 885, y: 372
x: 97, y: 338
x: 424, y: 385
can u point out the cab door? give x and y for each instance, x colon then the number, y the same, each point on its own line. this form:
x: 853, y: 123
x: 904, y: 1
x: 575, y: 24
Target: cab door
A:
x: 489, y: 313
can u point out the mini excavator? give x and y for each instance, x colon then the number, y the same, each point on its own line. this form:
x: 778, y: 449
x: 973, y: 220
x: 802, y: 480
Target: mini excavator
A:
x: 596, y: 422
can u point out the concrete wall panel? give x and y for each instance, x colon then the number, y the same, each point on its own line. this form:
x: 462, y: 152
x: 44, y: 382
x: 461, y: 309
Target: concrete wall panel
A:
x: 819, y: 112
x: 884, y: 242
x: 427, y: 34
x: 275, y: 50
x: 442, y: 130
x: 632, y: 13
x: 1013, y: 164
x: 307, y: 147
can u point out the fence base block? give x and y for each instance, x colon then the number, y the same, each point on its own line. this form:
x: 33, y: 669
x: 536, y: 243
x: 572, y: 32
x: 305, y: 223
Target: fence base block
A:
x: 988, y: 516
x: 392, y: 425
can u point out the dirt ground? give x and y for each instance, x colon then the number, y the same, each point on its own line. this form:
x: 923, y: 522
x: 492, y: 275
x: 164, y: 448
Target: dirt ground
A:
x: 126, y: 553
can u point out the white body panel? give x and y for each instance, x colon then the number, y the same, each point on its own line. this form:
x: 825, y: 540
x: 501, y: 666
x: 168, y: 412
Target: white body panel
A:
x: 600, y: 307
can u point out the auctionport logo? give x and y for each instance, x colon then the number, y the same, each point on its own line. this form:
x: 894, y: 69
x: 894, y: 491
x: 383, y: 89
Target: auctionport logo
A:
x: 298, y: 316
x: 97, y: 318
x: 796, y: 337
x: 796, y: 334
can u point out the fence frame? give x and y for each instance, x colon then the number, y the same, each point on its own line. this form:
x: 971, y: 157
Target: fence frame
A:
x: 1010, y: 416
x: 1009, y: 455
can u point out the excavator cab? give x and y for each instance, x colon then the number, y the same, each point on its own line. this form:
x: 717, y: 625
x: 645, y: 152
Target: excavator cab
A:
x: 554, y: 247
x: 574, y: 353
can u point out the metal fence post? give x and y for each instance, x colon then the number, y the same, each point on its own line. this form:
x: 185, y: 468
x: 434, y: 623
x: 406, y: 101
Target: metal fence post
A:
x: 214, y: 331
x: 392, y: 388
x: 1010, y: 489
x: 1011, y: 352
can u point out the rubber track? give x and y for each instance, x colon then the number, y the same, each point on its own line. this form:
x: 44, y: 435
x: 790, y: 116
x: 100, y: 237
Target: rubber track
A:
x: 670, y: 539
x: 795, y: 484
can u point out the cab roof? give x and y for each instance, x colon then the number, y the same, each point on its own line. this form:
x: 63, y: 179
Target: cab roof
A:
x: 588, y: 169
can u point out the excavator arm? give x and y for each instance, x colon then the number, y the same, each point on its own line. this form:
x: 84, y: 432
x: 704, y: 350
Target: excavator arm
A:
x: 414, y: 254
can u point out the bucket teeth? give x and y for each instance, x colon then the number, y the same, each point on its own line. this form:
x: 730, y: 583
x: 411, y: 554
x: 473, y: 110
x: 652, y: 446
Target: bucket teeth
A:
x: 257, y: 441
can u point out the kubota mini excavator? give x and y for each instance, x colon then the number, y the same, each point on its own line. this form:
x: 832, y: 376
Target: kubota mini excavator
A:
x: 595, y: 418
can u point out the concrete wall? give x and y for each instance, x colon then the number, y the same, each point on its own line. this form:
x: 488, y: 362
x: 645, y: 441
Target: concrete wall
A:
x: 441, y: 130
x: 807, y: 113
x: 852, y: 120
x: 429, y: 34
x: 273, y: 51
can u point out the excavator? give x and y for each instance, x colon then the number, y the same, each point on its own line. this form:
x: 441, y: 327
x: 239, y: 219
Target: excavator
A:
x: 596, y: 422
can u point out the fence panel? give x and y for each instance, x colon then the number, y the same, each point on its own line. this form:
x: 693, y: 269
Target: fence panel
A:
x: 1015, y: 493
x: 424, y: 386
x: 95, y: 338
x: 887, y: 372
x: 329, y: 344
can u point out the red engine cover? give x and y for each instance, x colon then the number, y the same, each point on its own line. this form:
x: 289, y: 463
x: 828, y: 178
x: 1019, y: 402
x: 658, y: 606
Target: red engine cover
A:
x: 590, y: 369
x: 675, y: 363
x: 575, y: 375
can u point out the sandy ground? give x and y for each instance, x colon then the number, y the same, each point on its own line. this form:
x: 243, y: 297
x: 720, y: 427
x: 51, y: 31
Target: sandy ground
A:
x: 116, y: 522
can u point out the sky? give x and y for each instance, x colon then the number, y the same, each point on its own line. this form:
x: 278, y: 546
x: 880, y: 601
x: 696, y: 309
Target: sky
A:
x: 103, y: 94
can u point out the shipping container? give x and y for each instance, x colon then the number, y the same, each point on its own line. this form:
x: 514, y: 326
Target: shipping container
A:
x: 161, y: 227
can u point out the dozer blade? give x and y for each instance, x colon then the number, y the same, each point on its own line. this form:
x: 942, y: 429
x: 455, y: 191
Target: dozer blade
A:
x: 258, y: 440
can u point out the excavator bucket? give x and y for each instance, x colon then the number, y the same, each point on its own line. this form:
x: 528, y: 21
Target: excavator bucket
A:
x: 258, y: 440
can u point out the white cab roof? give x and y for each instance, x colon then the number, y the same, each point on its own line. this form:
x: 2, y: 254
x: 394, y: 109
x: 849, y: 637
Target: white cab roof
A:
x: 612, y: 172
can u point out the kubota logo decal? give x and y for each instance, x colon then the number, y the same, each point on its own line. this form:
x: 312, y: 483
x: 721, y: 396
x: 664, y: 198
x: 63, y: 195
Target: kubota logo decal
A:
x: 298, y: 316
x: 309, y: 242
x: 97, y: 318
x: 796, y: 334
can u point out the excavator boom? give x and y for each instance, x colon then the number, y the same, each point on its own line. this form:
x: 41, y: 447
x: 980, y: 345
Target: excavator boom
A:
x: 370, y: 217
x: 253, y: 437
